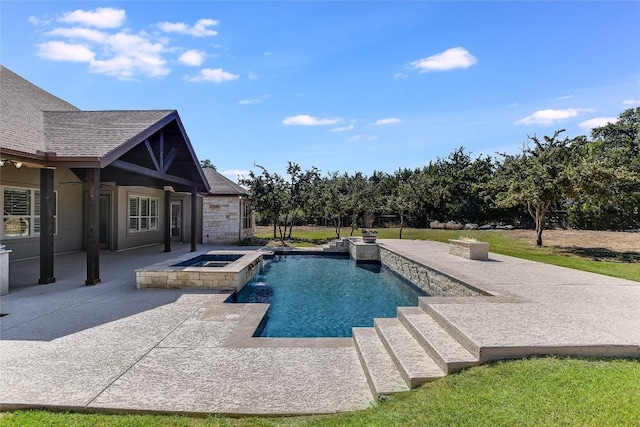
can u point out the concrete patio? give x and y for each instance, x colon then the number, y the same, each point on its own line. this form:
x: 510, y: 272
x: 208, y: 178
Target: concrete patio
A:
x: 113, y: 347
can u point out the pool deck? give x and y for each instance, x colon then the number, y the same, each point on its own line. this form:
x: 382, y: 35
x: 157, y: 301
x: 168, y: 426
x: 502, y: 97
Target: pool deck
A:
x: 112, y: 347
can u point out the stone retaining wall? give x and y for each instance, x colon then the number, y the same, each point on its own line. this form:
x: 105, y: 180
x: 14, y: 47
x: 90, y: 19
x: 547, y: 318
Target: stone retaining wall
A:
x: 431, y: 281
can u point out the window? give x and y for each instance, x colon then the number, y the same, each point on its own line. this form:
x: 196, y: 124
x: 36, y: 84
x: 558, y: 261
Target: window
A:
x: 246, y: 216
x: 143, y: 213
x: 21, y: 212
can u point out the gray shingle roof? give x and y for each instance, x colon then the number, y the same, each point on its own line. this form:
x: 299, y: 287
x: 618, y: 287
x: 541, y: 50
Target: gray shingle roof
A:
x: 21, y: 107
x: 95, y: 133
x: 221, y: 185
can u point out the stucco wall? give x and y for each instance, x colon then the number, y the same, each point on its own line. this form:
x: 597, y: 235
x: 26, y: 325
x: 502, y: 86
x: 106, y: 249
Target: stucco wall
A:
x: 131, y: 239
x: 70, y: 210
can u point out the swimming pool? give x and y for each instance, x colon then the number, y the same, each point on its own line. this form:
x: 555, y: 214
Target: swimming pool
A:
x: 320, y: 296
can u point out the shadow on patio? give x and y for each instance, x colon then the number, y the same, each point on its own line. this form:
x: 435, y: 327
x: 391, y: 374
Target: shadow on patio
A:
x: 45, y: 312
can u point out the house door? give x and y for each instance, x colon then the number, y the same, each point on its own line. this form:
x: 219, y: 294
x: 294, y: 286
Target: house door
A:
x: 105, y: 221
x: 176, y: 221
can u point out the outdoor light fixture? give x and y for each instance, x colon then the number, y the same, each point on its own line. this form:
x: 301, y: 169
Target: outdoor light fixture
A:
x: 16, y: 163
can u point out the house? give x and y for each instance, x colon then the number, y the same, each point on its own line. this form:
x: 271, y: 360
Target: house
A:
x: 227, y: 215
x: 74, y: 180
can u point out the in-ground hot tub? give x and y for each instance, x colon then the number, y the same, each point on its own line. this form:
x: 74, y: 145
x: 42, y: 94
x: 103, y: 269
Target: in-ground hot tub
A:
x: 225, y: 270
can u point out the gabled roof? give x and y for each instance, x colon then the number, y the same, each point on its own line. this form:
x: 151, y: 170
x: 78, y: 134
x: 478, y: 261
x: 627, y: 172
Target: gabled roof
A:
x: 96, y: 133
x: 139, y: 147
x: 21, y: 107
x: 221, y: 185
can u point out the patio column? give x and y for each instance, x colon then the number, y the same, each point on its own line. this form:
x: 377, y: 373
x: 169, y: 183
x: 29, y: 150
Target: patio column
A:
x: 194, y: 217
x: 47, y: 226
x: 167, y: 220
x: 93, y: 226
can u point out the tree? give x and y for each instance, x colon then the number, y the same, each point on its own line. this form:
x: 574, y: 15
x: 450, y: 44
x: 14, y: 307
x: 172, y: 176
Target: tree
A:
x: 268, y: 194
x: 609, y: 175
x: 538, y: 177
x: 206, y: 163
x: 333, y: 196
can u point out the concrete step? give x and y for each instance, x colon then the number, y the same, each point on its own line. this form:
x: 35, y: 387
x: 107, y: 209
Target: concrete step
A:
x: 414, y: 364
x: 453, y: 330
x: 382, y: 375
x: 444, y: 349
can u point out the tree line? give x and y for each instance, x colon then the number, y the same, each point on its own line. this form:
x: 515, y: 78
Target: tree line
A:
x: 580, y: 182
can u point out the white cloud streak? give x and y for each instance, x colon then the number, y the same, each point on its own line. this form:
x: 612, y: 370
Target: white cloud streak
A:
x: 102, y: 17
x: 199, y: 29
x: 596, y: 122
x: 549, y: 117
x: 306, y: 120
x: 215, y: 75
x: 457, y: 57
x: 389, y: 121
x: 362, y: 138
x: 193, y: 58
x: 254, y: 100
x: 631, y: 102
x: 342, y: 128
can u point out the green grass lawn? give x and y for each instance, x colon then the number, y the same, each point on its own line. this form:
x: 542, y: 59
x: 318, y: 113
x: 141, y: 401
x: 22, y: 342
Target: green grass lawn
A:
x: 499, y: 242
x: 533, y: 392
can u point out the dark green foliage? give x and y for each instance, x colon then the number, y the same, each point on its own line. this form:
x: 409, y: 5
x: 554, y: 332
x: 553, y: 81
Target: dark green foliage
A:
x: 565, y: 182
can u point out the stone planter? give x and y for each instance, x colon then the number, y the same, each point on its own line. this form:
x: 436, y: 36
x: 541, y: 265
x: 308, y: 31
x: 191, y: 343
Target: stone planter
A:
x: 369, y: 237
x: 469, y: 249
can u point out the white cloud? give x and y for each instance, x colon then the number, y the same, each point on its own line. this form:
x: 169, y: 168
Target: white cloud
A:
x: 631, y: 102
x: 342, y: 128
x: 37, y: 21
x: 305, y: 120
x: 457, y: 57
x: 597, y: 122
x: 93, y: 37
x: 130, y: 54
x: 192, y: 57
x: 389, y: 121
x: 254, y: 100
x: 267, y: 53
x: 200, y: 29
x: 362, y: 138
x: 215, y: 75
x: 102, y: 17
x: 88, y: 34
x: 61, y: 51
x: 549, y: 117
x: 400, y: 76
x: 562, y: 98
x: 252, y: 76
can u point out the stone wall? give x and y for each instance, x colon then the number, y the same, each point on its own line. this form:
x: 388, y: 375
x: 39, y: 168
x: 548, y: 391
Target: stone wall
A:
x: 233, y: 277
x: 221, y: 219
x: 360, y: 251
x: 431, y: 281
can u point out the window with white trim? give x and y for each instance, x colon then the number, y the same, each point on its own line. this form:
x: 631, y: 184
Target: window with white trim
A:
x: 21, y: 212
x: 143, y: 213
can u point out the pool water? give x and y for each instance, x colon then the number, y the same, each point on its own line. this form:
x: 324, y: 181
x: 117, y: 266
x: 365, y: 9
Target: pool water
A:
x: 209, y: 260
x: 319, y: 296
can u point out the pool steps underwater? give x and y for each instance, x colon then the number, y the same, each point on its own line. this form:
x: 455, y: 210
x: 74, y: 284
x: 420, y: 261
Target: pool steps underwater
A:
x: 402, y: 353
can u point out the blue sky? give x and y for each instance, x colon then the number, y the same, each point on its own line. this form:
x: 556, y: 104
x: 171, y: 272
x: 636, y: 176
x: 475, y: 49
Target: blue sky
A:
x: 343, y: 86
